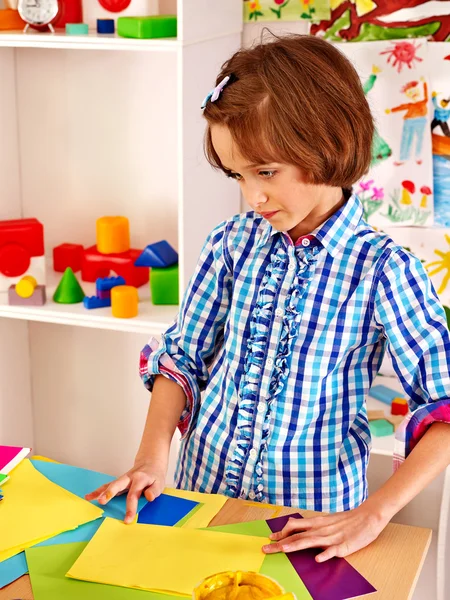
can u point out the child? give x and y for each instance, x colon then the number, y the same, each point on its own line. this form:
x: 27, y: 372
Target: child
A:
x: 287, y: 317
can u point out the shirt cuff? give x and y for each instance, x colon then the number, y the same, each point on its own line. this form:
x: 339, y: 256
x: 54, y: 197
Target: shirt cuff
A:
x: 156, y: 361
x: 415, y: 425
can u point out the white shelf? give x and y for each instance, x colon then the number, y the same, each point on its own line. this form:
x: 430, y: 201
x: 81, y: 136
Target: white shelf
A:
x: 91, y: 41
x: 152, y: 320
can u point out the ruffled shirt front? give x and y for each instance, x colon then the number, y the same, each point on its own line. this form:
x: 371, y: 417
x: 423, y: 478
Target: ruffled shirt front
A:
x: 276, y: 346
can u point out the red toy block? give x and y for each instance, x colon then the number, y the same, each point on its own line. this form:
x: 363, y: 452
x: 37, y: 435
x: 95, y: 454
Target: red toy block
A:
x: 67, y: 255
x: 20, y: 240
x: 95, y: 265
x: 399, y: 406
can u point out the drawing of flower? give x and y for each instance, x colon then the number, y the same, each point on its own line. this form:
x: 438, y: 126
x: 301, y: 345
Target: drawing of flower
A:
x: 255, y: 10
x: 281, y: 4
x: 371, y: 197
x: 308, y: 10
x: 377, y: 193
x: 365, y: 185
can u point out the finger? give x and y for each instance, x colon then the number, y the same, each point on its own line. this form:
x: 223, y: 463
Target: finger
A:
x: 307, y: 542
x: 132, y: 502
x: 295, y: 525
x: 153, y: 491
x: 114, y: 488
x: 96, y: 493
x: 330, y: 552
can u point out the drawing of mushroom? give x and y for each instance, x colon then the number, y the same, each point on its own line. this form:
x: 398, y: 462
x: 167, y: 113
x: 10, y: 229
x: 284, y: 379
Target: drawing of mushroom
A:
x: 426, y: 191
x: 408, y: 189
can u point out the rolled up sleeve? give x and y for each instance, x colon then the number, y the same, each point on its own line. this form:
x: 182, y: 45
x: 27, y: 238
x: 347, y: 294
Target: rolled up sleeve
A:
x: 413, y: 321
x: 188, y: 348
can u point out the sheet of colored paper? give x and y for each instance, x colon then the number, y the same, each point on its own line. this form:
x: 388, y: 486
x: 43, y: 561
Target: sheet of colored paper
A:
x: 166, y: 510
x: 334, y: 579
x: 120, y: 554
x: 276, y: 566
x: 16, y: 566
x: 11, y: 456
x: 82, y: 481
x: 38, y: 509
x: 49, y: 565
x: 212, y: 504
x: 3, y: 478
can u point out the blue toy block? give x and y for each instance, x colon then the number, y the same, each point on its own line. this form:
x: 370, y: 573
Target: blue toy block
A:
x: 95, y: 302
x: 107, y: 283
x: 158, y: 255
x: 384, y: 394
x: 105, y: 26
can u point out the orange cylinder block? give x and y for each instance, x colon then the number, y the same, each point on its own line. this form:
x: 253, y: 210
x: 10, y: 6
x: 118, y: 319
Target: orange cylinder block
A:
x: 113, y: 235
x: 124, y: 301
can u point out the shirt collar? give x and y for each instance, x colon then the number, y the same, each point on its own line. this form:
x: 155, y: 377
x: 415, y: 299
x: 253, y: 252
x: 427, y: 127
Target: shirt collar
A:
x: 335, y: 233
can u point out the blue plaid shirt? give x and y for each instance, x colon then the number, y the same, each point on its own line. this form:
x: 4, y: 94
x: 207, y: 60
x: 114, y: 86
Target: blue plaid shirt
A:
x: 276, y: 346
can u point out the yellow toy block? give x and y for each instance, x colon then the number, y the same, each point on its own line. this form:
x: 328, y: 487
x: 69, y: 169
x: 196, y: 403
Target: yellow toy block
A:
x: 113, y: 235
x: 124, y: 301
x: 26, y: 286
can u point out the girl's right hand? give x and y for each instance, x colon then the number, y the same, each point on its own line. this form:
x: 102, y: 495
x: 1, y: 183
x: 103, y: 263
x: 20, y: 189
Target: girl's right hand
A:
x: 143, y: 478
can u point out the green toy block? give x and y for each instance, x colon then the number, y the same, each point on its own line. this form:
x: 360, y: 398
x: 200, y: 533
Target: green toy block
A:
x: 69, y: 291
x: 164, y: 285
x: 157, y: 26
x: 381, y: 427
x: 77, y: 28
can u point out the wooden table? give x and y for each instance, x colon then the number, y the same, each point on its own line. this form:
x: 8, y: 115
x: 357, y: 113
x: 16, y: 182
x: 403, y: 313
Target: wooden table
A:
x: 392, y: 563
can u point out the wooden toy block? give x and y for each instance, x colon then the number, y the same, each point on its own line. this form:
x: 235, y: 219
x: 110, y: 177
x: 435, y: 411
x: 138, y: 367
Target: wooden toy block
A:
x: 373, y: 415
x: 157, y: 26
x: 105, y: 26
x: 124, y: 301
x: 96, y: 265
x: 91, y: 302
x: 164, y: 285
x: 77, y: 28
x: 383, y: 393
x: 399, y: 406
x: 106, y: 284
x: 381, y: 428
x: 67, y: 255
x: 113, y: 235
x: 395, y: 420
x: 20, y: 240
x: 69, y: 291
x: 161, y: 254
x: 38, y: 298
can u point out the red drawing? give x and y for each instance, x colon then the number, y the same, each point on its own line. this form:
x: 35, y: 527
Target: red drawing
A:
x: 402, y: 53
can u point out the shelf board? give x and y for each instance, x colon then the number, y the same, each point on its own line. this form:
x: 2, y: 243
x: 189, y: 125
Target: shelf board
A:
x: 92, y: 41
x: 151, y: 320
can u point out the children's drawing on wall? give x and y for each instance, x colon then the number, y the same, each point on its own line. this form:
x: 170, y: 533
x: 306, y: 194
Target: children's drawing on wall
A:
x: 414, y: 121
x: 368, y: 20
x: 439, y: 66
x: 285, y: 10
x: 399, y: 186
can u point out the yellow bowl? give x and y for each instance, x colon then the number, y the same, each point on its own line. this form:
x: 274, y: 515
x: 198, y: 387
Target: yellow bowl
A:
x: 238, y: 585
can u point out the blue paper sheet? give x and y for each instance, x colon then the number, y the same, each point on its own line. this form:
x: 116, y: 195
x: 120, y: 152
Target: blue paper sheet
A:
x: 166, y: 510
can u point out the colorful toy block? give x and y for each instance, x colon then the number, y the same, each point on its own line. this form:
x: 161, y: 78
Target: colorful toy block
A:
x: 113, y: 235
x: 161, y: 254
x: 373, y: 415
x: 381, y: 428
x: 21, y: 246
x: 399, y: 406
x: 37, y: 298
x: 67, y: 255
x: 26, y: 286
x: 69, y: 291
x: 105, y: 26
x: 97, y: 265
x: 106, y: 284
x: 77, y: 28
x: 383, y: 393
x: 124, y: 301
x: 164, y: 285
x: 157, y: 26
x: 91, y: 302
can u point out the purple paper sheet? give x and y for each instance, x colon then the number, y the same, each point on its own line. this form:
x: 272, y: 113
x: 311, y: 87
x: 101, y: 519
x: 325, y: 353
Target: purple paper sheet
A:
x: 334, y: 579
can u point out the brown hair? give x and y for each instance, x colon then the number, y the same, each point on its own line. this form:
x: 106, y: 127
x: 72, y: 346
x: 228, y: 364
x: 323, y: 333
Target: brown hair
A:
x: 298, y: 100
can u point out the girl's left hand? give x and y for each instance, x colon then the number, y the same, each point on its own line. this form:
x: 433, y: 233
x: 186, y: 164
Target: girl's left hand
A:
x: 340, y: 533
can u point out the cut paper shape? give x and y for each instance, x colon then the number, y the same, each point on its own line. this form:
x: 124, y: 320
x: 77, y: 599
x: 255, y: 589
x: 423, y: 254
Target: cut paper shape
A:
x: 49, y: 565
x: 80, y: 482
x: 191, y: 554
x: 3, y: 478
x: 334, y: 579
x: 276, y: 566
x: 11, y: 456
x: 38, y: 509
x: 212, y: 504
x: 166, y: 510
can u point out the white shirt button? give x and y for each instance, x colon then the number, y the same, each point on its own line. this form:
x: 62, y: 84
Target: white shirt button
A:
x: 291, y: 266
x: 305, y: 242
x: 260, y: 487
x: 253, y: 453
x: 279, y: 312
x: 251, y: 495
x: 261, y: 407
x: 269, y: 362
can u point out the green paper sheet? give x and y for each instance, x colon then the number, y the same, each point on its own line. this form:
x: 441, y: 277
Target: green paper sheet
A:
x: 276, y: 566
x: 48, y: 566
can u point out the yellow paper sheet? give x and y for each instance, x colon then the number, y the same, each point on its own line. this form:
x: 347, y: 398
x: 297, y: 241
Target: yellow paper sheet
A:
x: 34, y: 509
x: 212, y: 503
x: 170, y: 559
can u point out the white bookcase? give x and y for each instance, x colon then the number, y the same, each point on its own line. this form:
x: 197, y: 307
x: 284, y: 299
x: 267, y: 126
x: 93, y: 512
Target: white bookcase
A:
x: 91, y: 126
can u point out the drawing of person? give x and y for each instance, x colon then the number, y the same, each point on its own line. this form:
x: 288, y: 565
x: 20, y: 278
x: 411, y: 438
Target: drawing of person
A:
x: 441, y: 114
x: 380, y: 148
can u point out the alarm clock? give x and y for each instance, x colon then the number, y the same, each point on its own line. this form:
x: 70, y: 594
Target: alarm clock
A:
x: 38, y: 13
